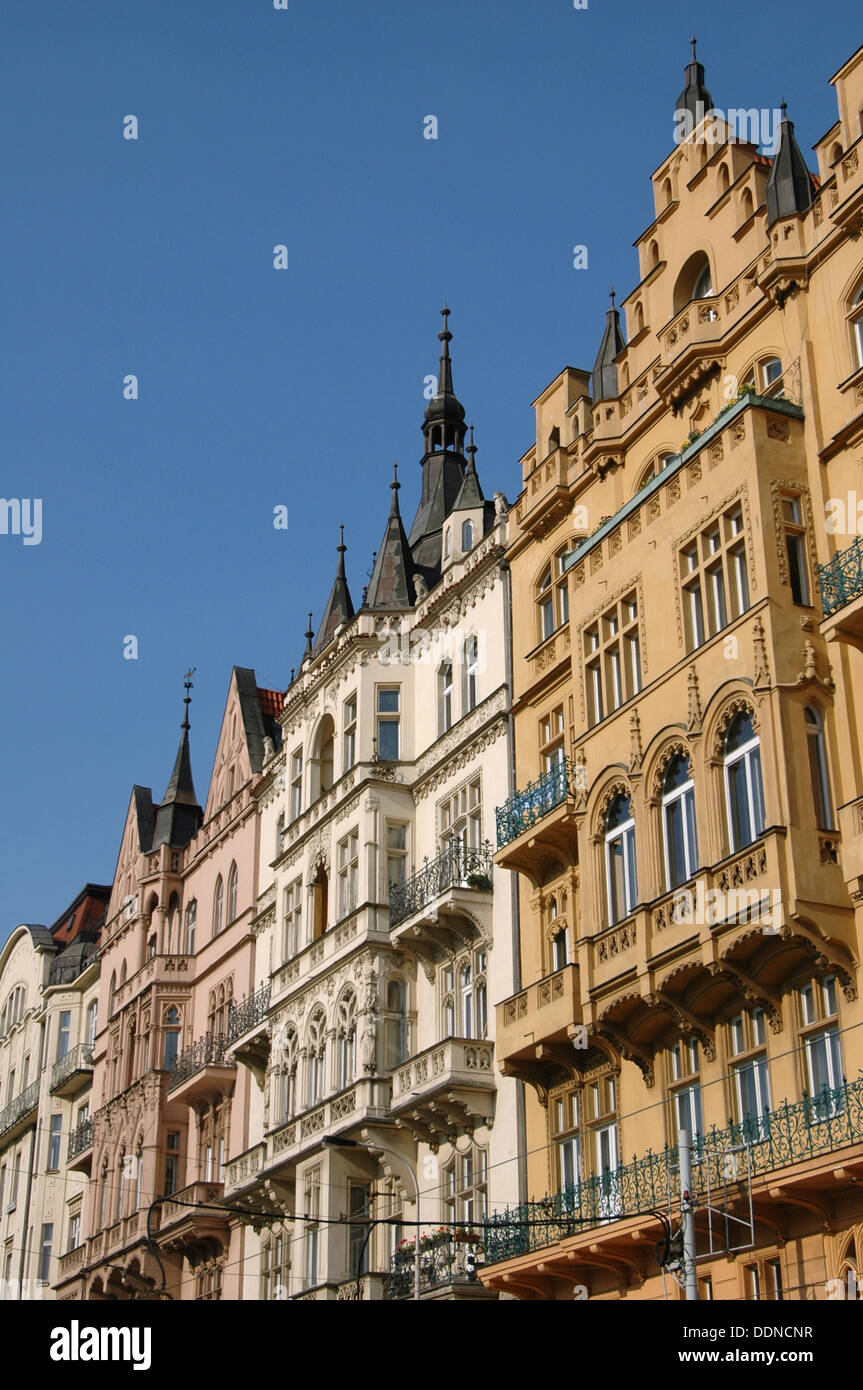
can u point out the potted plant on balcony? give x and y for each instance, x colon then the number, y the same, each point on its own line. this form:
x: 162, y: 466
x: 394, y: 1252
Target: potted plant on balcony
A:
x: 480, y: 881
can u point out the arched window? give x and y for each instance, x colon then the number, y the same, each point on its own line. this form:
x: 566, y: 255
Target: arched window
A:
x: 139, y: 1172
x: 818, y: 774
x: 694, y: 281
x: 232, y: 893
x: 122, y: 979
x: 172, y: 939
x: 620, y: 870
x: 112, y: 990
x: 703, y: 287
x: 289, y: 1084
x: 653, y: 255
x: 465, y: 986
x: 560, y: 949
x: 724, y: 178
x: 466, y: 536
x: 856, y: 322
x: 680, y: 840
x: 322, y: 757
x: 470, y: 669
x: 347, y: 1040
x: 771, y: 372
x: 445, y: 689
x: 667, y: 193
x: 317, y: 1058
x: 835, y: 152
x: 639, y: 317
x: 92, y: 1018
x: 191, y: 919
x: 103, y: 1194
x: 218, y: 906
x: 545, y: 605
x: 396, y: 1030
x: 744, y: 789
x: 320, y: 902
x: 171, y: 1044
x: 280, y: 831
x: 747, y: 206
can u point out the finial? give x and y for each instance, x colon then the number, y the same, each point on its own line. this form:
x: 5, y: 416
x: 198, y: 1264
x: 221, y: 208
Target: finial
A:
x: 292, y: 676
x: 693, y: 41
x: 341, y: 548
x: 309, y: 634
x: 470, y: 451
x: 783, y: 106
x: 445, y: 335
x: 611, y: 296
x: 187, y: 699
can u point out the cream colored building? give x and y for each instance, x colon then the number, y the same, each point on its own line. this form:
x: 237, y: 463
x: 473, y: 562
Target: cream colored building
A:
x: 687, y: 833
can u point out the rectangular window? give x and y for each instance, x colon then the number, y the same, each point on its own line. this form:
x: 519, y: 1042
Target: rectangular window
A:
x: 612, y: 654
x: 349, y: 873
x: 388, y: 724
x: 349, y: 744
x: 687, y: 1105
x: 397, y: 853
x: 172, y: 1162
x: 63, y: 1034
x: 312, y: 1213
x: 359, y: 1204
x: 713, y: 578
x: 296, y: 783
x: 292, y: 914
x: 461, y: 825
x: 795, y: 546
x: 752, y: 1093
x: 74, y: 1231
x: 54, y: 1141
x: 45, y: 1252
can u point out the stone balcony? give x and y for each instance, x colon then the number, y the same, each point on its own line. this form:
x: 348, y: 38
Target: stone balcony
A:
x: 445, y: 1090
x: 545, y: 501
x: 71, y: 1263
x: 73, y: 1072
x: 445, y: 905
x: 191, y: 1224
x: 366, y: 1102
x: 537, y: 1028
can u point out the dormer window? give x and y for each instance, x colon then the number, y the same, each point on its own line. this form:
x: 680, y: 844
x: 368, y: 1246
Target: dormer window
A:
x: 466, y: 536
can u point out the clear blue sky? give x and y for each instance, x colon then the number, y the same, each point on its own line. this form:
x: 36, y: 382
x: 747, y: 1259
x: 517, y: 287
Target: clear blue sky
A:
x: 258, y: 387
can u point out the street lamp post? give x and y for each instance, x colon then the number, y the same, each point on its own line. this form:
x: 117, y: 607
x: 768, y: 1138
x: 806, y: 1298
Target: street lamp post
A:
x: 337, y: 1143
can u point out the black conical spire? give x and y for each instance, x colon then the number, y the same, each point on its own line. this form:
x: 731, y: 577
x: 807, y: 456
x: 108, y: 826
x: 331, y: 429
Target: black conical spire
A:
x: 604, y: 383
x: 392, y: 581
x: 443, y: 425
x: 339, y: 609
x: 790, y: 188
x: 179, y: 815
x: 695, y: 97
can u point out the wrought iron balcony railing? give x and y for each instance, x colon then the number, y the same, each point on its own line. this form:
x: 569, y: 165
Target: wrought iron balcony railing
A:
x: 78, y: 1058
x: 817, y: 1124
x: 208, y: 1051
x: 444, y: 1259
x: 841, y: 579
x: 16, y: 1110
x: 457, y: 866
x: 248, y: 1013
x: 538, y: 798
x: 80, y: 1139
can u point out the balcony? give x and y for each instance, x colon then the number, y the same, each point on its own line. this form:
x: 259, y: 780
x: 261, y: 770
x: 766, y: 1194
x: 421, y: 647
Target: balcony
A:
x: 445, y: 1090
x: 446, y: 904
x: 205, y: 1071
x: 447, y: 1268
x: 841, y: 581
x: 80, y: 1150
x: 536, y: 1027
x: 366, y: 1102
x: 18, y: 1114
x: 71, y: 1263
x: 73, y: 1072
x: 535, y: 828
x: 790, y: 1136
x: 191, y: 1225
x: 248, y: 1038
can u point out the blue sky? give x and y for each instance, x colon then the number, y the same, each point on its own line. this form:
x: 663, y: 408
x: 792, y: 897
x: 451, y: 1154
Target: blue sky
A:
x: 258, y: 387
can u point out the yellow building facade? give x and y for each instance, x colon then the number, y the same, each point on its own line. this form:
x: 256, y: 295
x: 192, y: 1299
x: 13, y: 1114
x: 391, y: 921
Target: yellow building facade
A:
x: 687, y: 833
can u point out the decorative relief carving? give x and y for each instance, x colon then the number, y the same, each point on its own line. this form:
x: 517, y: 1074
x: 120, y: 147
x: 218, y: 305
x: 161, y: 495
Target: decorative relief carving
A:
x: 615, y: 943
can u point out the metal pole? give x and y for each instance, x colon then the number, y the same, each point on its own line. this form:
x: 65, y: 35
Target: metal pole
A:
x: 687, y: 1209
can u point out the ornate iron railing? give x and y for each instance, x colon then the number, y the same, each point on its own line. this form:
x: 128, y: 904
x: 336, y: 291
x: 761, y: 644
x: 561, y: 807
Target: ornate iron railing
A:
x: 443, y: 1260
x: 538, y: 798
x: 78, y: 1058
x: 248, y: 1013
x: 19, y: 1107
x: 817, y: 1124
x: 208, y: 1051
x: 80, y: 1139
x: 841, y: 579
x: 457, y: 866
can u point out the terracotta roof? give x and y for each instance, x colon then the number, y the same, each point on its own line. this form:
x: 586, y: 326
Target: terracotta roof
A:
x: 272, y: 702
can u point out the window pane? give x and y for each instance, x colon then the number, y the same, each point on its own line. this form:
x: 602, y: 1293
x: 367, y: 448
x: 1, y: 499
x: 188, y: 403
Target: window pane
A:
x: 388, y: 701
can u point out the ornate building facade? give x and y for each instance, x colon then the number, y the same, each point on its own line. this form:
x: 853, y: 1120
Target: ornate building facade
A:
x: 687, y: 832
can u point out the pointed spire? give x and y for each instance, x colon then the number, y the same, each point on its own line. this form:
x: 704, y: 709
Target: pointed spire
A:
x: 695, y: 97
x: 470, y: 492
x: 392, y: 581
x: 339, y: 608
x: 308, y: 634
x: 179, y: 815
x: 604, y: 383
x: 790, y: 189
x: 444, y: 414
